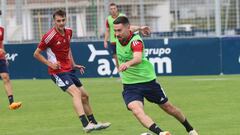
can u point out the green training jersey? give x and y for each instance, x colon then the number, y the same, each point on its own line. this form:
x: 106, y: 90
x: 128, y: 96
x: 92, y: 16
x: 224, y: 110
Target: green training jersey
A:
x: 111, y: 28
x: 140, y: 73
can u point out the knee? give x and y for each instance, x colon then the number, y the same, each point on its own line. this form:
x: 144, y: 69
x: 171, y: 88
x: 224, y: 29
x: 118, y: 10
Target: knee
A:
x: 85, y: 98
x: 5, y: 78
x: 76, y: 93
x: 136, y: 111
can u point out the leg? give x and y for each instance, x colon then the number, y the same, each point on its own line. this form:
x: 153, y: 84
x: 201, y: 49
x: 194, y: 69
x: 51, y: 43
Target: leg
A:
x: 137, y: 109
x: 8, y: 89
x: 134, y: 99
x: 71, y: 88
x: 85, y: 101
x: 78, y: 106
x: 7, y: 83
x: 77, y: 101
x: 88, y: 110
x: 176, y: 112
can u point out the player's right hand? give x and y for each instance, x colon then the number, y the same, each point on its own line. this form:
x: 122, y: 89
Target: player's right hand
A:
x: 2, y: 52
x: 55, y: 66
x: 105, y: 44
x: 145, y: 30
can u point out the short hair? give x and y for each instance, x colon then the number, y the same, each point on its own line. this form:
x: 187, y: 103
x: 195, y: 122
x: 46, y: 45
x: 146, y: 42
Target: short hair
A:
x: 121, y: 20
x: 112, y: 4
x: 59, y: 12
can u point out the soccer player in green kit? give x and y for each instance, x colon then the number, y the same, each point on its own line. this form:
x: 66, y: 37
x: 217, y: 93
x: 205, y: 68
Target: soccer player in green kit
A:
x: 109, y: 33
x: 139, y: 79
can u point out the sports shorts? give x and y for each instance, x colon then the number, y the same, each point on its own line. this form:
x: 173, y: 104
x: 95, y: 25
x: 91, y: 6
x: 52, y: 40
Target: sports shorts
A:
x: 151, y: 91
x: 65, y: 80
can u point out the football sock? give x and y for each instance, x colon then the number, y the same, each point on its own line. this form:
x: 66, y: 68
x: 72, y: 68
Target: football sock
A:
x: 10, y: 98
x: 187, y: 125
x: 155, y: 129
x: 83, y: 120
x: 92, y: 119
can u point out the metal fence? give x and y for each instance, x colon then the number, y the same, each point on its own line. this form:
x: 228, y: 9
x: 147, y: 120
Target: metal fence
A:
x: 28, y: 20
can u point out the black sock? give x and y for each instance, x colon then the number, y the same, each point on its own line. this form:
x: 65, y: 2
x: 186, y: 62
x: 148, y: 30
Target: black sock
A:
x: 83, y: 120
x: 155, y: 129
x: 187, y: 125
x: 91, y: 119
x: 10, y: 98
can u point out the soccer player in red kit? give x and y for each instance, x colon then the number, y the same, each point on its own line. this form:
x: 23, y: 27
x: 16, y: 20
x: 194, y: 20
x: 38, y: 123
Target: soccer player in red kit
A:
x: 4, y: 73
x: 56, y: 42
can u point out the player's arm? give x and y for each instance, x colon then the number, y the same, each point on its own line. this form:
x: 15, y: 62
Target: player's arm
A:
x: 2, y: 51
x: 37, y: 54
x: 80, y: 67
x: 106, y: 35
x: 137, y: 48
x: 137, y: 58
x: 144, y: 30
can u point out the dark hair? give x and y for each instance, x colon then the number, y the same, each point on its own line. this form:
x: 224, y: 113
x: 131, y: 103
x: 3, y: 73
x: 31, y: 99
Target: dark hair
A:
x: 0, y: 12
x: 112, y: 4
x: 59, y: 12
x: 121, y: 20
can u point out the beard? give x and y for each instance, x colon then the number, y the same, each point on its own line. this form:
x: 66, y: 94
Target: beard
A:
x: 122, y: 40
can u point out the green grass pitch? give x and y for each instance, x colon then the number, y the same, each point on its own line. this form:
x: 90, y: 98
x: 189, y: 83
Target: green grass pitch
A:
x: 211, y: 104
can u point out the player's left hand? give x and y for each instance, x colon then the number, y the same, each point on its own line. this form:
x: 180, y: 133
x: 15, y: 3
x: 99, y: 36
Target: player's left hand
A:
x: 145, y: 30
x: 80, y: 67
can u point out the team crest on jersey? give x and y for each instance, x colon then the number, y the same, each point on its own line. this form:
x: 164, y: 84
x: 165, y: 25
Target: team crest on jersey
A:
x: 67, y: 82
x: 58, y: 43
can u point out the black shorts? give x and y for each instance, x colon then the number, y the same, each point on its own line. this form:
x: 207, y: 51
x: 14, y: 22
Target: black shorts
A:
x: 65, y: 80
x: 152, y: 91
x: 113, y: 48
x: 3, y: 66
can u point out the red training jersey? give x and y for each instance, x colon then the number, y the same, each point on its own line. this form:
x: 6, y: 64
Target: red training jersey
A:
x: 57, y: 47
x: 2, y: 55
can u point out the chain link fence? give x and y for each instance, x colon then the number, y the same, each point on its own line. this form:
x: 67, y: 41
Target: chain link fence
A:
x: 27, y: 20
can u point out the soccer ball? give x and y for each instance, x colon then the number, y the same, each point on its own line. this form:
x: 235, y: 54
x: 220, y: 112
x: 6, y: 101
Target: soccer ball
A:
x: 146, y: 134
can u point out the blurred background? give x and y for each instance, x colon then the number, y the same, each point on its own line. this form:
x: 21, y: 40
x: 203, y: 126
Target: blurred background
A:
x: 26, y: 21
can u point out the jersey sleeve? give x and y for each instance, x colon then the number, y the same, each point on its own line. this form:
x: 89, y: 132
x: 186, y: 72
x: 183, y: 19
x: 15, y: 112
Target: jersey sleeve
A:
x: 1, y: 34
x: 43, y: 45
x: 137, y: 46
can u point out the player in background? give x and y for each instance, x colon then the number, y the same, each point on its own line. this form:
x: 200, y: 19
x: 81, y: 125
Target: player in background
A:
x: 109, y: 33
x: 139, y: 79
x: 4, y: 73
x: 56, y: 42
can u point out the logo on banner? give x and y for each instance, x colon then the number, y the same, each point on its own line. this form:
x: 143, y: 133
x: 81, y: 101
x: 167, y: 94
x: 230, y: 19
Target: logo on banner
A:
x: 104, y: 65
x: 11, y: 57
x: 157, y: 56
